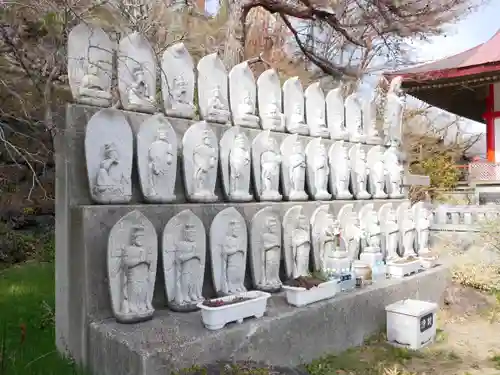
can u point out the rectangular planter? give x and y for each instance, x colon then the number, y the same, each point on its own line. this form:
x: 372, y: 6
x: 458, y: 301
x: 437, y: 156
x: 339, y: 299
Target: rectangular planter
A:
x: 215, y: 318
x: 301, y: 296
x: 403, y: 269
x: 428, y: 262
x: 411, y: 323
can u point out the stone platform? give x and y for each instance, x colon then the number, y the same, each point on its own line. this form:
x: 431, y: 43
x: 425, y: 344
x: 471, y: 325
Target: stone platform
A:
x: 286, y: 336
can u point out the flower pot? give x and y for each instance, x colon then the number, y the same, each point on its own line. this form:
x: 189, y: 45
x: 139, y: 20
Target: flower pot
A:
x: 215, y: 318
x: 402, y: 269
x: 362, y: 270
x: 428, y: 261
x: 301, y: 296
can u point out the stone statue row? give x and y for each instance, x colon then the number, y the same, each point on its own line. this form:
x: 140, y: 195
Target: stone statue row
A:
x: 223, y: 97
x: 337, y: 171
x: 133, y: 250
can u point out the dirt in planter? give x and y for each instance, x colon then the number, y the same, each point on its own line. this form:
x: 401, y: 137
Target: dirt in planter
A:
x: 404, y: 261
x: 307, y: 282
x: 220, y: 302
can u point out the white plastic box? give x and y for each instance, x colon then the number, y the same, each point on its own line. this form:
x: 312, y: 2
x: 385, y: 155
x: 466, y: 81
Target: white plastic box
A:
x: 411, y: 323
x: 296, y: 296
x: 215, y: 318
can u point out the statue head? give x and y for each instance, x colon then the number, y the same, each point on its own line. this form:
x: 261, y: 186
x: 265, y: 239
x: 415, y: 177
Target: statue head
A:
x: 234, y: 228
x: 247, y: 99
x: 361, y: 154
x: 239, y: 141
x: 216, y: 91
x: 272, y: 224
x: 302, y: 222
x: 297, y: 147
x: 395, y: 86
x: 297, y: 109
x: 110, y: 151
x: 137, y: 236
x: 206, y: 138
x: 322, y: 151
x: 189, y: 232
x: 162, y: 135
x: 92, y: 69
x: 273, y: 108
x: 180, y: 84
x: 391, y: 215
x: 138, y: 74
x: 271, y: 143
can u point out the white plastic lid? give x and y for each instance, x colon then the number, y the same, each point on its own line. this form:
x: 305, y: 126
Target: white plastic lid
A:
x: 412, y: 307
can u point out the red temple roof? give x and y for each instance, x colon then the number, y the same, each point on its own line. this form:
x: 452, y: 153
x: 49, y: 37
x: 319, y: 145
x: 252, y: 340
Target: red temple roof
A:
x: 481, y: 59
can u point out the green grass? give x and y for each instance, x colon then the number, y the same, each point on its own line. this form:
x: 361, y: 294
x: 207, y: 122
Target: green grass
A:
x: 27, y: 305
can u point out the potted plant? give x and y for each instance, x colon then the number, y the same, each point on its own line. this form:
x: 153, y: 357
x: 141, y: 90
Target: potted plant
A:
x: 305, y: 290
x: 217, y: 312
x: 403, y: 266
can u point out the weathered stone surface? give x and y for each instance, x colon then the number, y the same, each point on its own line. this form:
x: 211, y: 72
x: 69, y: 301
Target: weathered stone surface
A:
x: 109, y: 152
x: 90, y: 65
x: 315, y: 111
x: 178, y: 81
x: 137, y: 74
x: 293, y: 105
x: 340, y: 170
x: 335, y: 115
x: 242, y: 96
x: 269, y: 100
x: 132, y: 260
x: 318, y: 170
x: 285, y: 336
x: 293, y: 169
x: 266, y: 165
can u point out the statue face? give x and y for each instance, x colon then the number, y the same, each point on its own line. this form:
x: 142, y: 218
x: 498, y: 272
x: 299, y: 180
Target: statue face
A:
x: 138, y: 238
x: 272, y: 225
x: 302, y: 221
x: 189, y: 233
x: 92, y: 69
x: 162, y: 135
x: 234, y: 228
x: 298, y: 109
x: 139, y: 75
x: 362, y: 154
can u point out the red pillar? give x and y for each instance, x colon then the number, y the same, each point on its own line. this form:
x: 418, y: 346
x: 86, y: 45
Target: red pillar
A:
x: 489, y: 116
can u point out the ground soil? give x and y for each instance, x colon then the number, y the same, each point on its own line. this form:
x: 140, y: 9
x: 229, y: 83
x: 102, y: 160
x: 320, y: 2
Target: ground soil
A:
x: 220, y: 302
x: 304, y: 282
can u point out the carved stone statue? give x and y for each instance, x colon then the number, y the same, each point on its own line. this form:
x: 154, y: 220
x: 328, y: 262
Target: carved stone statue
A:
x: 132, y: 258
x: 315, y: 111
x: 318, y: 170
x: 212, y: 89
x: 370, y: 122
x: 265, y: 250
x: 228, y: 245
x: 242, y: 93
x: 109, y: 154
x: 423, y: 218
x: 395, y: 106
x: 200, y: 159
x: 266, y: 163
x: 340, y: 173
x: 371, y: 244
x: 351, y: 231
x: 406, y: 229
x: 390, y: 231
x: 235, y: 165
x: 269, y: 100
x: 90, y: 64
x: 296, y: 242
x: 137, y: 74
x: 184, y: 248
x: 336, y: 115
x: 293, y: 100
x: 178, y: 81
x: 293, y: 171
x: 394, y: 172
x: 354, y: 118
x: 359, y: 172
x: 377, y: 172
x: 157, y: 159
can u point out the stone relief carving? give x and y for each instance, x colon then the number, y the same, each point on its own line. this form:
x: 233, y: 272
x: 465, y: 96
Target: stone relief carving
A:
x: 293, y: 104
x: 423, y: 219
x: 137, y: 74
x: 265, y: 250
x: 377, y: 174
x: 325, y: 236
x: 296, y: 243
x: 293, y: 171
x: 212, y: 89
x: 371, y: 244
x: 235, y: 165
x: 371, y: 132
x: 390, y: 231
x: 200, y: 156
x: 269, y: 101
x: 132, y: 258
x: 393, y: 114
x: 242, y: 96
x: 109, y: 152
x: 340, y: 173
x: 184, y: 249
x: 354, y: 118
x: 359, y: 172
x: 178, y: 82
x: 406, y: 225
x: 228, y: 247
x: 318, y: 170
x: 90, y: 65
x: 394, y: 173
x: 351, y: 230
x: 335, y: 114
x: 157, y: 159
x: 315, y: 111
x: 266, y: 164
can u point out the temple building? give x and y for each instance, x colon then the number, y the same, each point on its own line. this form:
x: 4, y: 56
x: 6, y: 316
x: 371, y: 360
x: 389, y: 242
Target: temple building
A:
x: 468, y: 85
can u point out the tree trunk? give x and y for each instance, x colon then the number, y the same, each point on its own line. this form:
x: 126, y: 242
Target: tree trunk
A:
x: 235, y: 35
